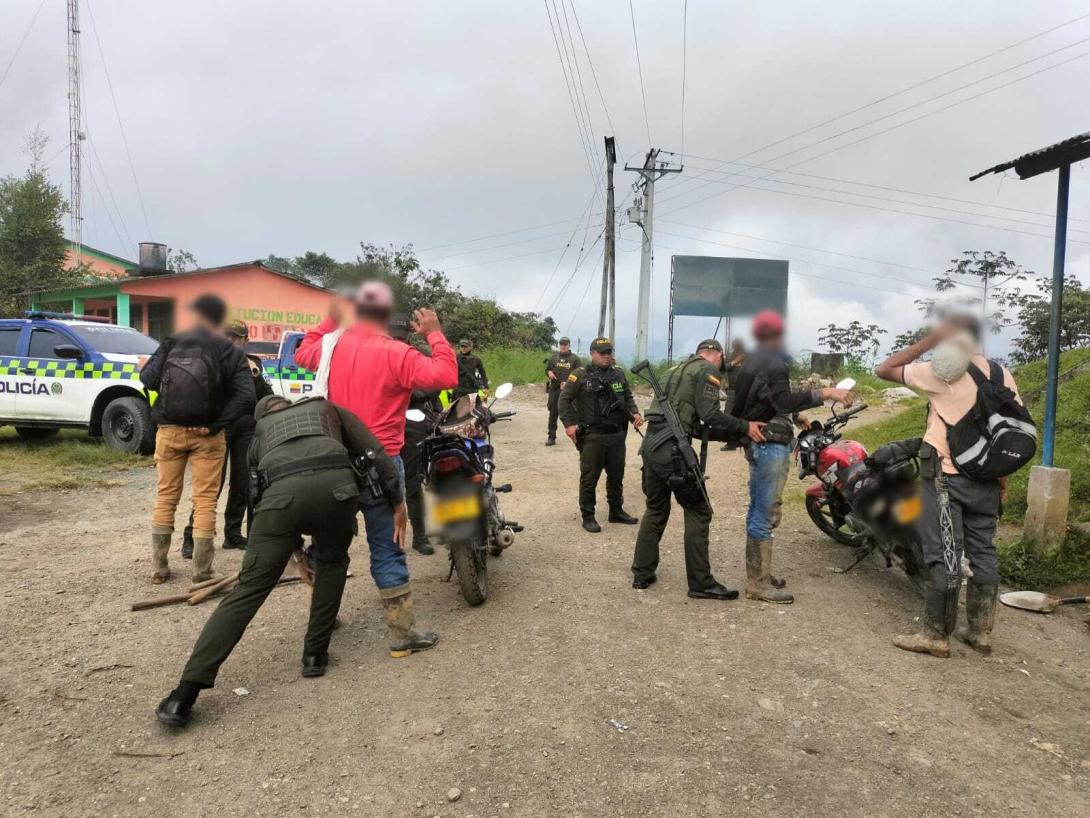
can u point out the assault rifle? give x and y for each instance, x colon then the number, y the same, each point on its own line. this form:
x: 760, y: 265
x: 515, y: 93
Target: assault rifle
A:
x: 692, y: 468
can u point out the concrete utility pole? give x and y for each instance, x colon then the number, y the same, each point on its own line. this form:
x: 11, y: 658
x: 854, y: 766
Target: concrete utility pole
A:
x: 609, y: 258
x: 651, y: 172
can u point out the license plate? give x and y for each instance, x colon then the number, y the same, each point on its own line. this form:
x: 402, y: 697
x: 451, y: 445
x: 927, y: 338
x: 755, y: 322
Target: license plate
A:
x: 907, y: 510
x: 458, y: 508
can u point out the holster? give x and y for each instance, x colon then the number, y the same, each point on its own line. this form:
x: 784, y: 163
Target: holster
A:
x: 580, y: 436
x: 779, y: 430
x: 929, y: 462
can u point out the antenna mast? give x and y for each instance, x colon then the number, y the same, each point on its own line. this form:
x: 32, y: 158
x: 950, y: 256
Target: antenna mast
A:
x: 75, y: 133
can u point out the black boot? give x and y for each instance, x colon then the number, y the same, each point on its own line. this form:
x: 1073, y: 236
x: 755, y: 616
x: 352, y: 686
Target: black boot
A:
x: 315, y: 664
x: 643, y: 583
x: 234, y: 539
x: 177, y: 708
x: 714, y: 591
x: 590, y: 524
x: 187, y: 543
x: 550, y: 441
x: 422, y: 546
x: 618, y: 515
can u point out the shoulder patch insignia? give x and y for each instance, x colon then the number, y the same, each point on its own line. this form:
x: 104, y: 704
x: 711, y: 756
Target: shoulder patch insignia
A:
x: 573, y: 377
x: 714, y: 381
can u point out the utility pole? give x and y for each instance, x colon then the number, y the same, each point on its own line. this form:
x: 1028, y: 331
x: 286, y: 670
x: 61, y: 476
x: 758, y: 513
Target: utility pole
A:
x: 643, y: 214
x: 609, y: 257
x: 75, y: 131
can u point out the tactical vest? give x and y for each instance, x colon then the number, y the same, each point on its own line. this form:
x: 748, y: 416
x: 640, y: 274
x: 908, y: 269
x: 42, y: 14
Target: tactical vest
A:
x: 305, y: 418
x: 605, y: 390
x: 679, y: 392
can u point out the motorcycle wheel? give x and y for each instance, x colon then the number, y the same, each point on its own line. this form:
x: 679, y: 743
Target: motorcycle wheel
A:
x: 472, y: 578
x: 819, y: 512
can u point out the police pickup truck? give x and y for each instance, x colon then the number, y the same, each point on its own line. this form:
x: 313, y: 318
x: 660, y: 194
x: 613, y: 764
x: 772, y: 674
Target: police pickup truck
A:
x: 60, y: 370
x: 283, y: 374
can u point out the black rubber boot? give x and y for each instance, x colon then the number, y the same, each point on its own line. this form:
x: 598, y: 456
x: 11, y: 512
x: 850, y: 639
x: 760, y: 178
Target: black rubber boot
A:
x: 933, y: 637
x: 314, y: 665
x: 187, y: 543
x: 618, y: 515
x: 591, y: 525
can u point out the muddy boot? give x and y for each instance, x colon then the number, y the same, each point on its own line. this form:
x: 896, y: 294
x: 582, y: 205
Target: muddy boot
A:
x: 187, y: 543
x: 980, y: 613
x: 204, y: 549
x: 759, y: 584
x: 160, y: 547
x: 405, y: 639
x: 932, y: 637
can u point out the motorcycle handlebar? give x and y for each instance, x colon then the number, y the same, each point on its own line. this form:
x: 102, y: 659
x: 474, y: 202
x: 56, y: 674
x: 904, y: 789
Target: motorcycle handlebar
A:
x: 504, y: 415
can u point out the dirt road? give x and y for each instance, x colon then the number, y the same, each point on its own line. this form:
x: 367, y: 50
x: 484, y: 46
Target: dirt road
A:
x: 732, y: 708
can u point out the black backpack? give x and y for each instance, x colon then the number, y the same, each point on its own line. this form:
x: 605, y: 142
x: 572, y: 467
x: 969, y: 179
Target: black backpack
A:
x: 190, y: 386
x: 997, y: 436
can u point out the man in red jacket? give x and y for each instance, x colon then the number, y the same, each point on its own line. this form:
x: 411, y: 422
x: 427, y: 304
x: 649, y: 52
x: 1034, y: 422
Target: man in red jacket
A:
x: 372, y: 375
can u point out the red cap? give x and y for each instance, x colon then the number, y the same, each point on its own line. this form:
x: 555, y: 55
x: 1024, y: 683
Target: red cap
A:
x: 767, y: 324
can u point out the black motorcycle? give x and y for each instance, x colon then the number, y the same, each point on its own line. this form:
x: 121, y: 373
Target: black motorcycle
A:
x: 868, y: 501
x: 459, y: 465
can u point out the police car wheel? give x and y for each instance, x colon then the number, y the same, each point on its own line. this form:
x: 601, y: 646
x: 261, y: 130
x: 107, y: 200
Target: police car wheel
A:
x: 126, y: 425
x: 36, y: 432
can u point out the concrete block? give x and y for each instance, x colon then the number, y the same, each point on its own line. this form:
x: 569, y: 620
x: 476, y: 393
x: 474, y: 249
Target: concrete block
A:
x: 1046, y: 514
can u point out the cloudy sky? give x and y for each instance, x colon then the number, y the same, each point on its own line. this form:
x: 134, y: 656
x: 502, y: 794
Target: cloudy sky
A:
x: 276, y: 127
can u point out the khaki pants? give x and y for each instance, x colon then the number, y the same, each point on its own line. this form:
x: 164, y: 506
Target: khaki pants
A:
x: 175, y: 446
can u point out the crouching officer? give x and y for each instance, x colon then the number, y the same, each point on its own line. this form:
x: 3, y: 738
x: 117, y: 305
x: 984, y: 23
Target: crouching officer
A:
x: 692, y: 389
x: 595, y: 408
x: 310, y: 461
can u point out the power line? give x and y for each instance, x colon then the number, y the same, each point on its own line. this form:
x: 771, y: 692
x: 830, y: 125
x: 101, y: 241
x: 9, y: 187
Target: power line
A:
x: 912, y: 87
x: 499, y: 246
x: 499, y: 235
x: 639, y: 66
x: 564, y: 252
x: 117, y: 113
x: 590, y: 62
x: 579, y: 306
x: 805, y: 186
x: 925, y: 194
x: 22, y: 40
x: 578, y: 263
x: 891, y: 128
x: 573, y: 59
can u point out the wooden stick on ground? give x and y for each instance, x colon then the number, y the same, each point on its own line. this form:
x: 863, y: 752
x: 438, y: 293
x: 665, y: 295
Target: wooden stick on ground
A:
x: 198, y: 585
x: 203, y: 594
x: 159, y: 601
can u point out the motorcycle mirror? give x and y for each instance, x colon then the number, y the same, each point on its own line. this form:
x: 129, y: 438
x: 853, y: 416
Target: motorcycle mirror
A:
x: 503, y: 390
x: 415, y: 415
x: 847, y: 383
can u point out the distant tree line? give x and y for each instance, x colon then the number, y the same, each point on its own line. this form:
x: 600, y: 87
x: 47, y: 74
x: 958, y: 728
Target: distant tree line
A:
x: 481, y: 320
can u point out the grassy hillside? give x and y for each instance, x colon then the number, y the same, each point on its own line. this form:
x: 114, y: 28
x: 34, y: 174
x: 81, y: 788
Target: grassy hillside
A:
x: 1072, y: 452
x: 516, y: 365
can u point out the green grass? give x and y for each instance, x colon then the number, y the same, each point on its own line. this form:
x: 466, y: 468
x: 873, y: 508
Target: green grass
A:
x: 70, y: 460
x: 1019, y: 565
x: 519, y: 366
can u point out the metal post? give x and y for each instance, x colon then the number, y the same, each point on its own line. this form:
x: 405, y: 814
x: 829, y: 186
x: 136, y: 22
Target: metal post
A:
x: 1059, y: 254
x: 643, y: 303
x: 670, y: 322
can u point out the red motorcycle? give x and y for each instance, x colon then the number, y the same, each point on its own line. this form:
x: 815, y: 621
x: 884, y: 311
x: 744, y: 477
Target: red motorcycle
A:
x: 867, y: 501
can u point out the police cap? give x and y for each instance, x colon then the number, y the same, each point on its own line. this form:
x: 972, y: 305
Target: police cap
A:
x: 237, y: 329
x: 602, y: 345
x: 709, y: 343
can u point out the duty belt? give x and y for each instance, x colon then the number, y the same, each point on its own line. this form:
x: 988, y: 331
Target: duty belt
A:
x: 320, y: 462
x: 605, y: 428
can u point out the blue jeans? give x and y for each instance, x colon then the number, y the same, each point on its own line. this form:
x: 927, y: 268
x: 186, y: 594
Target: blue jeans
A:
x: 768, y: 467
x: 389, y: 568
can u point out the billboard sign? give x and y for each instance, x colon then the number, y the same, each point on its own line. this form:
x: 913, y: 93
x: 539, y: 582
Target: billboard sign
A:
x: 720, y: 287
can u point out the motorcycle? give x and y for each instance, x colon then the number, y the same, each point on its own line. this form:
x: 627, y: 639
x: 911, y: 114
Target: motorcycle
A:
x: 870, y: 502
x: 459, y: 465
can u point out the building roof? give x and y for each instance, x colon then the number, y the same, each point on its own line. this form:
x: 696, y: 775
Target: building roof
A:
x: 87, y: 250
x: 1071, y: 150
x: 226, y: 268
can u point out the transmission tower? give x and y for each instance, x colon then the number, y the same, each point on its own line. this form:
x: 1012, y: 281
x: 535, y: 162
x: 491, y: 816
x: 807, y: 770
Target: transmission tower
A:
x: 75, y: 131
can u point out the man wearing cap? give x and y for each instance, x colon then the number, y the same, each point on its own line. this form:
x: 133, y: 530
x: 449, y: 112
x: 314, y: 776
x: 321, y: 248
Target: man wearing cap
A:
x: 692, y: 389
x: 239, y: 435
x: 471, y: 374
x: 595, y: 407
x: 763, y: 393
x: 557, y: 368
x: 373, y: 376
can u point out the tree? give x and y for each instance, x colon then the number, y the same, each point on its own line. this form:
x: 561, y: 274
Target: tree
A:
x: 32, y: 243
x: 991, y: 277
x: 857, y: 342
x: 907, y: 339
x: 181, y: 261
x: 1035, y: 317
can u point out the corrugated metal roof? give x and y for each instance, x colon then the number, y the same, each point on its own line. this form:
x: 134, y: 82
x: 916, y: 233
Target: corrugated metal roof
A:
x: 1073, y: 149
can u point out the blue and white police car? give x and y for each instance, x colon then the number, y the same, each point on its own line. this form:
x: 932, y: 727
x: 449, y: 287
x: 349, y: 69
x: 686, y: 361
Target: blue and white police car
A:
x: 59, y: 370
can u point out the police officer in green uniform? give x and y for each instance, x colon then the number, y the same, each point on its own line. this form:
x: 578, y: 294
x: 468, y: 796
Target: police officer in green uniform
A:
x: 557, y: 369
x: 311, y: 461
x: 595, y: 408
x: 692, y: 388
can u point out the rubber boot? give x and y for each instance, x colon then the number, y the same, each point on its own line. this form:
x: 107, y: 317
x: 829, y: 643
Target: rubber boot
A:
x: 160, y: 547
x: 204, y: 550
x: 980, y: 613
x: 187, y: 543
x: 759, y: 573
x: 397, y: 609
x: 933, y: 638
